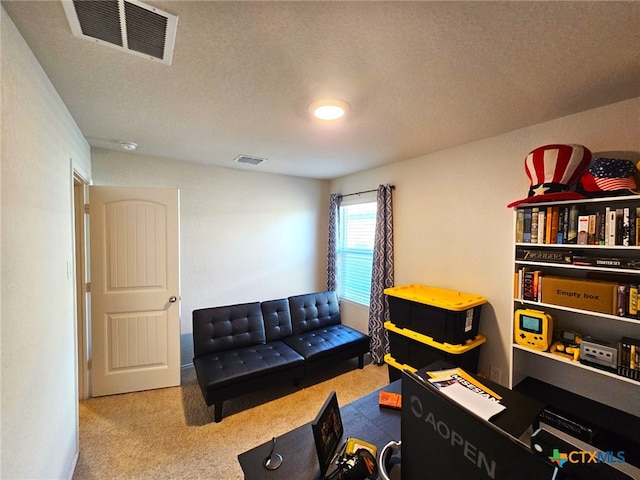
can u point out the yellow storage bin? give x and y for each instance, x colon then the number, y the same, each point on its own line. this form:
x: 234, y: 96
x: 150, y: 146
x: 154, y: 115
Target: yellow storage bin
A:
x: 413, y: 350
x: 447, y: 316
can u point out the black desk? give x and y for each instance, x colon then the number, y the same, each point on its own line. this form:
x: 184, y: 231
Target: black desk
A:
x: 363, y: 419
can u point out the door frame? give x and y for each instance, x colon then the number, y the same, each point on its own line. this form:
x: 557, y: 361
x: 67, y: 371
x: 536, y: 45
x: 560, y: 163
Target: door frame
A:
x: 82, y: 313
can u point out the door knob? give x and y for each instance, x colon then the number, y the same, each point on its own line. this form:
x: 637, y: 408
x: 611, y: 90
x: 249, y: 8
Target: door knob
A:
x: 173, y: 299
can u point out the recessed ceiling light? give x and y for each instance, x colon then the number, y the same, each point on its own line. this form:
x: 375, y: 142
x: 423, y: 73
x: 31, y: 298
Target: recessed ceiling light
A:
x: 130, y: 146
x: 329, y: 109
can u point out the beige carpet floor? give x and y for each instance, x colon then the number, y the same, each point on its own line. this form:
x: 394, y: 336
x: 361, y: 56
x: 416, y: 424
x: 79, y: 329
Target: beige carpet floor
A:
x: 170, y: 433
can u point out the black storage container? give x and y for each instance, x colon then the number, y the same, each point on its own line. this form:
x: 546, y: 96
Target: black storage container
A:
x: 415, y: 353
x: 447, y: 316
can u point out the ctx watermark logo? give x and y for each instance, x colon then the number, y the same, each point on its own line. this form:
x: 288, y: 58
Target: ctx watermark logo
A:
x: 582, y: 456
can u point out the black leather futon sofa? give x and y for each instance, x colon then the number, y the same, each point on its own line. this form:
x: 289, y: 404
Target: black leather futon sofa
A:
x: 246, y: 347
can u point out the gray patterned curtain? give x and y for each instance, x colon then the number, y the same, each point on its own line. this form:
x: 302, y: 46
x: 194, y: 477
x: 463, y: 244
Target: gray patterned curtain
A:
x: 381, y: 275
x: 334, y: 218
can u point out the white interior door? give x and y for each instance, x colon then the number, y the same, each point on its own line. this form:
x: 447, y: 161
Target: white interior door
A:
x: 135, y: 324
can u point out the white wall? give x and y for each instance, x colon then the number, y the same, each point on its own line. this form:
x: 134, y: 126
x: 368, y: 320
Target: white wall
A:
x: 40, y: 141
x: 245, y: 236
x: 452, y: 226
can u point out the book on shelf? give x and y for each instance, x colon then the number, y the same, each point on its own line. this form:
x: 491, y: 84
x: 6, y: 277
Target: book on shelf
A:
x: 541, y: 225
x: 526, y: 237
x: 600, y: 228
x: 555, y: 224
x: 591, y: 231
x: 534, y: 224
x: 607, y: 262
x: 464, y: 389
x: 572, y: 235
x: 531, y: 285
x: 583, y: 229
x: 549, y: 218
x: 626, y: 286
x: 563, y: 237
x: 610, y: 239
x: 623, y: 300
x: 584, y: 224
x: 540, y: 255
x: 633, y: 220
x: 519, y: 226
x: 619, y: 226
x: 637, y: 226
x: 632, y: 309
x: 626, y: 231
x: 629, y: 358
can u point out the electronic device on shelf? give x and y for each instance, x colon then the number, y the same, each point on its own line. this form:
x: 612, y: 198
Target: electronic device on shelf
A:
x: 566, y: 343
x: 599, y: 353
x: 533, y: 329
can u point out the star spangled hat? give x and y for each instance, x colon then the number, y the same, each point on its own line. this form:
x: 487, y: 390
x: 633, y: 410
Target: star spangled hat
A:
x: 554, y: 171
x: 610, y: 175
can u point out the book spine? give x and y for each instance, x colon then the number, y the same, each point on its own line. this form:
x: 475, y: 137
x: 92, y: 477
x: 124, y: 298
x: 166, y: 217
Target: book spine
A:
x: 583, y: 229
x: 637, y: 226
x: 625, y: 227
x: 633, y: 301
x: 623, y: 300
x: 632, y: 226
x: 572, y: 235
x: 527, y: 286
x: 526, y: 235
x: 607, y: 262
x: 619, y: 227
x: 542, y: 223
x: 565, y: 225
x: 549, y: 216
x: 602, y: 233
x: 611, y: 227
x: 534, y: 225
x: 591, y: 233
x: 519, y: 226
x: 537, y: 275
x: 555, y: 218
x: 620, y: 359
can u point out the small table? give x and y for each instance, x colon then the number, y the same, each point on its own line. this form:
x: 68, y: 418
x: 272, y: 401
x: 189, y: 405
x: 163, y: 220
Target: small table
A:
x: 363, y: 419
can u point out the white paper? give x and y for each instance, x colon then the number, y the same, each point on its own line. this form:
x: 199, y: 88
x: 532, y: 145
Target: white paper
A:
x: 481, y: 406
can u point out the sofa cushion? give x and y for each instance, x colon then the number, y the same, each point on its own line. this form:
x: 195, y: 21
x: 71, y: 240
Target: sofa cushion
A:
x: 277, y: 319
x: 314, y: 310
x: 327, y: 341
x: 241, y: 365
x: 230, y: 327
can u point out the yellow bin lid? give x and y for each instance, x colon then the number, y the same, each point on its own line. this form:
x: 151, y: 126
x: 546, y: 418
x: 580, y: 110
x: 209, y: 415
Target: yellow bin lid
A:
x: 437, y: 297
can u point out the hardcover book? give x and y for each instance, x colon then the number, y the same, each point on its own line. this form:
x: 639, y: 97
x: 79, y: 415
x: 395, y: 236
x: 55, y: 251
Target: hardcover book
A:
x: 534, y: 255
x: 608, y: 262
x: 583, y: 229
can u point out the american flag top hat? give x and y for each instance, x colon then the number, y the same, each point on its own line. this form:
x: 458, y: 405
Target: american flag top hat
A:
x: 610, y: 175
x: 554, y: 171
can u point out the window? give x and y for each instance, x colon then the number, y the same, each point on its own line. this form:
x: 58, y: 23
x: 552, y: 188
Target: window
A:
x: 354, y: 255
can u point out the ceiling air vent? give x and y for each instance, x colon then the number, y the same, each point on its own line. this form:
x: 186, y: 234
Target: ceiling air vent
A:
x: 127, y: 25
x: 249, y: 160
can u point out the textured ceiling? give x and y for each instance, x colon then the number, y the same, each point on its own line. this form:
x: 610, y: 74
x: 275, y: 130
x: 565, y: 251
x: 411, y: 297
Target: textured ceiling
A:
x: 420, y: 77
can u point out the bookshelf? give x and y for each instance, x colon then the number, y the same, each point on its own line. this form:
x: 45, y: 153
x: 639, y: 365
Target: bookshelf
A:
x: 608, y: 255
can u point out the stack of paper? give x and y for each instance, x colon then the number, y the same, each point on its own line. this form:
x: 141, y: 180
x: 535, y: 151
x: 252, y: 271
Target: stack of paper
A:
x: 467, y: 391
